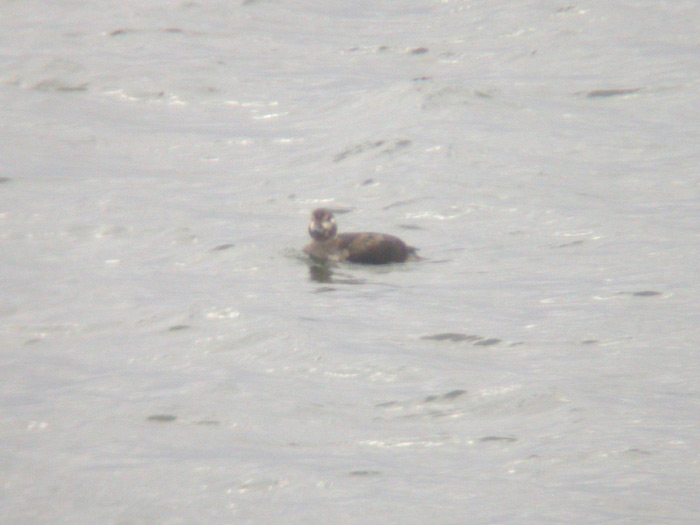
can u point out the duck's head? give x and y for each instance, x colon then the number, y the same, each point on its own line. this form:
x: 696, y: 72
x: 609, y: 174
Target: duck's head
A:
x: 322, y: 226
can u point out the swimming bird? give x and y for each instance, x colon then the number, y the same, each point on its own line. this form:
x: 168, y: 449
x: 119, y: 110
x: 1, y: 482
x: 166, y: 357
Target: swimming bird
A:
x: 364, y: 248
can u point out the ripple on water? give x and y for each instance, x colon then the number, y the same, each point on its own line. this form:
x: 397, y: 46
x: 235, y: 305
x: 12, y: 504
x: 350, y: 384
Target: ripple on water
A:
x: 453, y: 337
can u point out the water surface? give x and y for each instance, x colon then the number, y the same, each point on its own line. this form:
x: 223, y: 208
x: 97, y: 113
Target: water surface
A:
x: 168, y: 354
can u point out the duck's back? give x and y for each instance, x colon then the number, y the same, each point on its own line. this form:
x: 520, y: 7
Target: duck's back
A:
x: 373, y: 248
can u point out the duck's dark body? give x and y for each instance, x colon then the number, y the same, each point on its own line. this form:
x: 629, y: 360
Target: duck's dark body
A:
x: 364, y: 248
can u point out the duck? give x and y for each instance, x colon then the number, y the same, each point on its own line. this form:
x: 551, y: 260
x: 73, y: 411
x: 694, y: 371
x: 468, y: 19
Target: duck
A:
x: 365, y: 248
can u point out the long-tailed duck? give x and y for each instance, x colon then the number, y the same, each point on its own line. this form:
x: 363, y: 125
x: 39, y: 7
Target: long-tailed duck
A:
x: 365, y: 248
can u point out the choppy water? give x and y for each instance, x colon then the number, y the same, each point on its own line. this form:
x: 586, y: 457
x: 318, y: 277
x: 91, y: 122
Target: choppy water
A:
x: 168, y: 356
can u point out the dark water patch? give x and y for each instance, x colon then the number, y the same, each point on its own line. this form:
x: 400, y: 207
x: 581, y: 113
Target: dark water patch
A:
x: 387, y: 147
x: 162, y: 418
x: 127, y: 31
x: 642, y: 293
x: 378, y: 49
x: 222, y: 247
x: 323, y: 273
x: 356, y: 150
x: 453, y: 394
x: 421, y: 79
x: 502, y: 439
x: 589, y: 342
x: 607, y: 93
x: 488, y: 342
x: 646, y: 293
x: 364, y: 473
x: 399, y: 144
x: 419, y: 51
x: 179, y: 327
x: 400, y: 203
x: 451, y: 337
x: 568, y: 244
x: 368, y: 182
x: 637, y: 452
x: 325, y: 289
x: 431, y: 399
x: 426, y: 260
x: 60, y: 86
x: 5, y: 179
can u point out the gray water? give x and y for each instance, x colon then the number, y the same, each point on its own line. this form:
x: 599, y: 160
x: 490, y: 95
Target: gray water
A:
x: 169, y: 356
